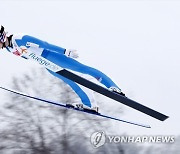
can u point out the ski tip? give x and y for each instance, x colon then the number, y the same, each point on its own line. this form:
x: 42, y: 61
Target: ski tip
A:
x: 148, y: 127
x: 164, y: 118
x: 142, y: 125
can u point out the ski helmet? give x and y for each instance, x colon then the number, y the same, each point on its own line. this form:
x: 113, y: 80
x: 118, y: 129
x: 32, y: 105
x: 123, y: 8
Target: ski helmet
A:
x: 2, y: 35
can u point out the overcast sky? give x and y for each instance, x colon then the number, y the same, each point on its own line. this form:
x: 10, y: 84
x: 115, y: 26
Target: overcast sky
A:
x: 136, y: 43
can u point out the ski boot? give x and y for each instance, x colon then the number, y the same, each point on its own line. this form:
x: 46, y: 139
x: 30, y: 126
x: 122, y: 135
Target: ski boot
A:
x: 80, y: 106
x: 84, y: 107
x: 116, y: 90
x: 75, y: 105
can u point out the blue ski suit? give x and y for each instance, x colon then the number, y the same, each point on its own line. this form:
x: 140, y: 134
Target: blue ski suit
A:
x: 56, y: 55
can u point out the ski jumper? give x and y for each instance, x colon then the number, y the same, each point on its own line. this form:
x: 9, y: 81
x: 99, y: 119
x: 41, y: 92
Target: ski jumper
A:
x: 56, y: 54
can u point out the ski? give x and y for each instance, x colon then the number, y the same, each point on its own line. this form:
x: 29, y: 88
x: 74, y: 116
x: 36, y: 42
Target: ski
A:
x: 68, y: 106
x: 124, y: 100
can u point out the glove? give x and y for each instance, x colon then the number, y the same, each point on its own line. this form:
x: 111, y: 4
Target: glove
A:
x: 71, y: 53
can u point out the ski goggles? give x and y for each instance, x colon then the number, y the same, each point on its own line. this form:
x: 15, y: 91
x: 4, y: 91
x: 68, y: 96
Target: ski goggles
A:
x: 2, y: 35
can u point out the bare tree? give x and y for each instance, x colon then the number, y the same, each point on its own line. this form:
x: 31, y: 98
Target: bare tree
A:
x: 33, y: 127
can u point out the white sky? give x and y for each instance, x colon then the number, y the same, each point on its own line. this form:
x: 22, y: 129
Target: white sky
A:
x: 136, y: 43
